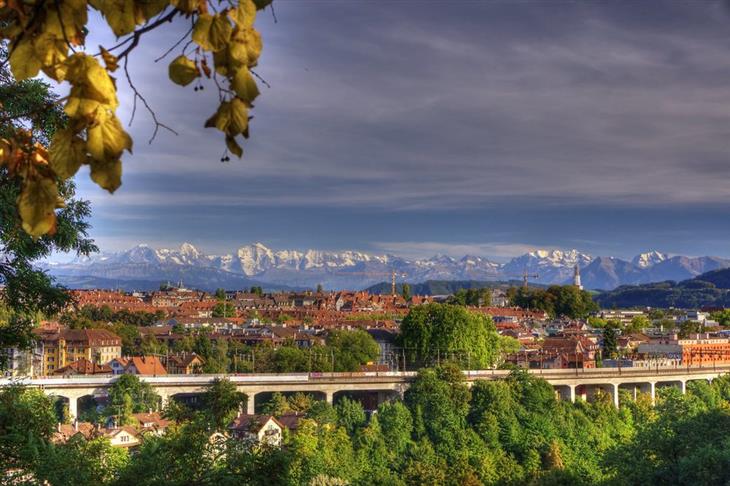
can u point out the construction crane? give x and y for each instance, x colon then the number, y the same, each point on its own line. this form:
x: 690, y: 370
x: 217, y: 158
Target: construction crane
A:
x: 392, y: 274
x: 524, y: 277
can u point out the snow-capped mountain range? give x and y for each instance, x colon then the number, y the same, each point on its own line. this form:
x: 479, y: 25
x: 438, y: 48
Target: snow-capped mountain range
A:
x: 258, y: 264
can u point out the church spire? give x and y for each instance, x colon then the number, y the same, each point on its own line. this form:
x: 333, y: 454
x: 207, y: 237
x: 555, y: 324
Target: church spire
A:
x: 576, y: 277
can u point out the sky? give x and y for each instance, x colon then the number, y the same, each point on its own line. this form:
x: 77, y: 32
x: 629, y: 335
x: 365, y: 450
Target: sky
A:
x: 423, y: 127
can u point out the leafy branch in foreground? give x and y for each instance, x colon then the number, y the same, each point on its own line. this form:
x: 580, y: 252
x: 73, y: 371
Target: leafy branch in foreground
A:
x: 48, y: 36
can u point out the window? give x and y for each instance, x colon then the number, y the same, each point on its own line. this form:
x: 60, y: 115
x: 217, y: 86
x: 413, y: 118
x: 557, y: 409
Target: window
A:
x: 124, y: 438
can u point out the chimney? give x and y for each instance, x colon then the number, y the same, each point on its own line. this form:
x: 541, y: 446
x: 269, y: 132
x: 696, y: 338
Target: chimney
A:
x: 58, y: 427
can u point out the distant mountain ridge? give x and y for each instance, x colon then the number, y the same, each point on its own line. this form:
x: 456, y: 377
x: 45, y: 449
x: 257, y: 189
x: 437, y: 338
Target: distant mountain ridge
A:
x: 257, y: 264
x: 711, y: 289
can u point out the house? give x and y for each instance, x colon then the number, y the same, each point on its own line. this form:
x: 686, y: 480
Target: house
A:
x: 386, y: 342
x: 64, y: 432
x: 62, y: 346
x: 124, y: 436
x: 257, y: 429
x: 574, y: 351
x: 145, y: 365
x: 118, y: 365
x: 83, y: 366
x: 290, y: 420
x: 151, y: 422
x: 184, y: 364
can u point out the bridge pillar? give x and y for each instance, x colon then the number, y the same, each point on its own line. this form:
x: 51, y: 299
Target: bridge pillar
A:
x: 73, y: 407
x: 683, y: 386
x: 572, y: 393
x: 614, y: 392
x: 164, y: 400
x: 251, y: 404
x: 652, y: 391
x: 329, y: 397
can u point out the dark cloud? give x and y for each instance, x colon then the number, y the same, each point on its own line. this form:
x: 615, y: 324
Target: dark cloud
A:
x: 381, y: 108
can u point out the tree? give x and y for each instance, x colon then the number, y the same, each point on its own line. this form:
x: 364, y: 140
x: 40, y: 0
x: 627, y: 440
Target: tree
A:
x: 27, y: 421
x: 51, y: 37
x: 220, y: 294
x: 222, y: 403
x: 350, y: 415
x: 472, y: 297
x: 638, y: 324
x: 130, y: 395
x: 320, y: 289
x: 257, y: 290
x: 406, y: 292
x: 690, y: 327
x: 352, y: 349
x: 438, y: 331
x: 396, y: 425
x: 556, y: 300
x: 29, y: 108
x: 81, y: 461
x: 439, y: 400
x: 223, y: 309
x: 610, y: 339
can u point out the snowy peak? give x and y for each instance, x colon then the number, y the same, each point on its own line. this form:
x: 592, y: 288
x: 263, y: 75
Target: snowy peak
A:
x: 649, y: 259
x: 559, y: 257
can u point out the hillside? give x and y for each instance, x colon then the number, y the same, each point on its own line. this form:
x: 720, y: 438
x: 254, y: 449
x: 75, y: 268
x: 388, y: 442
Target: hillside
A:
x: 709, y: 289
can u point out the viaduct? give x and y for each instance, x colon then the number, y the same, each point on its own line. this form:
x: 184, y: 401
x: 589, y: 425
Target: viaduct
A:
x: 569, y: 384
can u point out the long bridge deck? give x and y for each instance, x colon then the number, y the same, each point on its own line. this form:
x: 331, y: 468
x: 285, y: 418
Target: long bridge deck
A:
x: 568, y: 383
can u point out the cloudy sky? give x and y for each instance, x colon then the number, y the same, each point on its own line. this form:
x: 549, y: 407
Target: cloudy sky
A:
x: 417, y: 127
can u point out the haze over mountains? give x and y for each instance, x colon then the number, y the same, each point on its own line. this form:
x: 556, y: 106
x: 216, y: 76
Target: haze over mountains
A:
x: 145, y: 267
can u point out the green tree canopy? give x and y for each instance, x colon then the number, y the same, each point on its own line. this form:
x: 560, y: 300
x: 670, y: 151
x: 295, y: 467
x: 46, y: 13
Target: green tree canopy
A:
x: 442, y: 331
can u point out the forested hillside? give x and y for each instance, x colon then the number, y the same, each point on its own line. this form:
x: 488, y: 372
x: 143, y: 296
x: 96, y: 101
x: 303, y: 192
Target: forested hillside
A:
x: 708, y: 289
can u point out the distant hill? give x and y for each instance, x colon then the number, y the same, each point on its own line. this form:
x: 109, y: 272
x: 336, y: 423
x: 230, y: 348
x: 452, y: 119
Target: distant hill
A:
x: 445, y: 287
x: 709, y: 289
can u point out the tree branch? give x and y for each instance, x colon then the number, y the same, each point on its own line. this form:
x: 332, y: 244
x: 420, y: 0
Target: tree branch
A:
x: 137, y: 94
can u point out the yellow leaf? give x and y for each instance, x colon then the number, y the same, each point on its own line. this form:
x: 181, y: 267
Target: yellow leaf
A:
x: 75, y: 15
x: 66, y: 153
x: 212, y: 32
x: 119, y: 14
x: 77, y: 107
x: 90, y: 81
x: 239, y: 117
x: 23, y: 61
x: 183, y: 71
x: 52, y: 52
x: 107, y: 173
x: 244, y: 85
x: 110, y: 59
x: 245, y: 14
x: 233, y: 146
x: 222, y: 118
x: 107, y: 139
x: 245, y: 47
x: 36, y: 205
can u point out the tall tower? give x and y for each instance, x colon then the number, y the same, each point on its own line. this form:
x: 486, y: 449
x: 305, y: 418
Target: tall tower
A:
x: 576, y: 278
